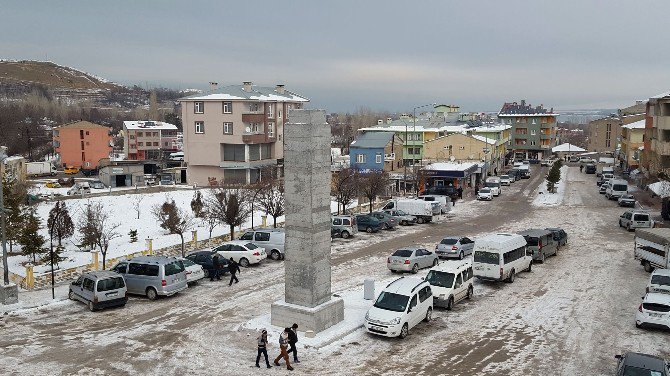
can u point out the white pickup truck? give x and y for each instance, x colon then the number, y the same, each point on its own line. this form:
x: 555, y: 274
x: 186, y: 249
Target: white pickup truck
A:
x: 652, y: 248
x: 422, y: 210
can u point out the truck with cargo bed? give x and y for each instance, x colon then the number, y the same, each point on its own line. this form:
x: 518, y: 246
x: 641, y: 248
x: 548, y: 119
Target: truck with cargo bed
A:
x: 422, y: 210
x: 652, y: 248
x: 40, y: 169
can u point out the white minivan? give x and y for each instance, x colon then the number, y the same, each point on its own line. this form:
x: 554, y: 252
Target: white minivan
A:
x: 451, y: 282
x: 493, y: 183
x: 499, y: 257
x: 616, y: 188
x: 403, y: 304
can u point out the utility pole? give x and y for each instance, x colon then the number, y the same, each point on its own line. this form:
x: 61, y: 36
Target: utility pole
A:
x: 5, y: 267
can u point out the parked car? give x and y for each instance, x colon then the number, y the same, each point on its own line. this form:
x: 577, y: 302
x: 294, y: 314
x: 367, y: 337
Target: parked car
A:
x: 635, y: 364
x: 603, y: 188
x: 99, y: 289
x: 90, y: 171
x: 499, y: 257
x: 493, y: 183
x: 485, y: 194
x: 388, y: 222
x: 590, y: 168
x: 368, y: 223
x: 454, y: 246
x: 411, y: 259
x: 400, y: 306
x: 627, y: 200
x: 403, y: 218
x: 194, y: 272
x: 97, y: 184
x: 546, y: 162
x: 659, y: 281
x: 560, y: 236
x: 335, y: 233
x: 272, y: 240
x: 242, y: 252
x: 540, y: 243
x: 204, y: 259
x: 505, y: 180
x: 573, y: 158
x: 52, y: 184
x: 346, y: 224
x: 66, y: 182
x: 71, y: 170
x: 633, y: 219
x: 153, y: 276
x: 166, y: 179
x: 451, y: 282
x: 616, y: 188
x: 654, y: 311
x: 652, y: 248
x: 79, y: 189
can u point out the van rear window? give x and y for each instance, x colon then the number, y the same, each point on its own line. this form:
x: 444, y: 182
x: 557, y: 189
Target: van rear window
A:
x: 662, y: 280
x: 173, y: 268
x: 110, y: 284
x: 619, y: 187
x: 533, y: 241
x: 487, y: 257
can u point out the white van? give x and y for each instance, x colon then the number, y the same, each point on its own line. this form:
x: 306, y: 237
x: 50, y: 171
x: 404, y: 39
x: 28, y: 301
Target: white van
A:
x: 499, y: 257
x: 403, y: 304
x: 451, y: 282
x: 493, y: 182
x: 443, y: 201
x: 271, y: 239
x: 616, y: 188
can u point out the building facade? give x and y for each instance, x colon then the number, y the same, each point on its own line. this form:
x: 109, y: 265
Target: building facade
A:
x: 13, y: 169
x: 605, y: 134
x: 376, y: 151
x: 657, y: 131
x: 632, y: 144
x: 82, y: 144
x: 149, y: 140
x: 533, y: 129
x: 230, y: 135
x: 467, y: 148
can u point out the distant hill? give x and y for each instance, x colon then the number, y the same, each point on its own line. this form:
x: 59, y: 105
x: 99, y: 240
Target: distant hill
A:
x: 51, y: 76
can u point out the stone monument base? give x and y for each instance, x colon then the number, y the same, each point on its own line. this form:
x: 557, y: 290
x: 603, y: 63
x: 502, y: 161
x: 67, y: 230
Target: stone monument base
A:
x: 316, y: 319
x: 9, y: 294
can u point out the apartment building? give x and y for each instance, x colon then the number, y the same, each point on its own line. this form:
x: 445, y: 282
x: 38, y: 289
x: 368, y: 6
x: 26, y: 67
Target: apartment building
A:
x: 149, y: 140
x: 82, y: 144
x: 533, y: 129
x: 657, y: 136
x: 632, y: 144
x: 605, y: 133
x: 233, y: 133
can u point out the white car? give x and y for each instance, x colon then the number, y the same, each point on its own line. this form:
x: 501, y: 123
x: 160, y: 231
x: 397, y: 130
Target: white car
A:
x: 194, y: 272
x: 242, y: 252
x: 485, y: 194
x: 505, y: 180
x: 451, y: 282
x: 403, y: 304
x: 654, y: 311
x: 659, y: 281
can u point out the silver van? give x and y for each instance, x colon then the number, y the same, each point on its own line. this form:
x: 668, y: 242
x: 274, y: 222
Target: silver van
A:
x: 270, y: 239
x: 99, y: 289
x: 345, y: 225
x: 153, y: 275
x: 540, y: 243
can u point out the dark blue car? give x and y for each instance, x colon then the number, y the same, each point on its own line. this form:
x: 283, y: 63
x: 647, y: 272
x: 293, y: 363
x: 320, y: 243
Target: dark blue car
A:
x: 368, y: 223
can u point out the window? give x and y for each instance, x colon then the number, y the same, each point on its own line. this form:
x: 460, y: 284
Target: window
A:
x: 87, y: 133
x: 140, y: 134
x: 262, y: 236
x: 412, y: 304
x: 140, y: 144
x: 253, y: 107
x: 378, y: 158
x: 425, y: 293
x: 461, y: 148
x: 254, y: 152
x: 227, y: 128
x: 199, y: 107
x: 83, y: 156
x: 266, y: 151
x: 121, y: 268
x: 156, y: 143
x: 279, y: 114
x: 132, y: 137
x: 81, y: 133
x: 247, y: 236
x: 360, y: 158
x: 232, y: 152
x: 173, y: 268
x: 87, y: 284
x: 534, y: 121
x: 271, y: 129
x: 199, y: 127
x: 533, y: 132
x: 270, y: 110
x: 227, y: 107
x: 532, y: 143
x: 337, y: 221
x: 82, y: 145
x: 346, y: 222
x: 143, y: 269
x: 459, y: 281
x: 110, y: 284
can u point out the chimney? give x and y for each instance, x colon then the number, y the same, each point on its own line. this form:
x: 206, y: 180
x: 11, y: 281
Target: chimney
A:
x: 388, y: 120
x: 247, y: 86
x: 213, y: 86
x: 280, y: 89
x: 380, y: 122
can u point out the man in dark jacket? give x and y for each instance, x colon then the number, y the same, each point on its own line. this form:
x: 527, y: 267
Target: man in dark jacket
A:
x: 215, y: 271
x: 292, y: 340
x: 233, y: 268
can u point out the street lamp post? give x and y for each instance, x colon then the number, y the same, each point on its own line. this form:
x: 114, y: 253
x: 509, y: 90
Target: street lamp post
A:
x: 5, y: 267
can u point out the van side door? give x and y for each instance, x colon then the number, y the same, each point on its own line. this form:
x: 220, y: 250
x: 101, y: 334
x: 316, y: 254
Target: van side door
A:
x: 87, y: 291
x: 77, y: 288
x: 458, y: 287
x: 413, y: 311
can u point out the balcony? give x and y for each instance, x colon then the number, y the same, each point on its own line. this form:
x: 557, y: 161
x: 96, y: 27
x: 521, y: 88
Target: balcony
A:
x: 544, y: 136
x: 254, y: 138
x: 253, y: 117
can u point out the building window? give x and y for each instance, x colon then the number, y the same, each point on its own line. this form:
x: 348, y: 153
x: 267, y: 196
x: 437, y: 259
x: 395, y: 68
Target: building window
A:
x: 279, y: 114
x: 360, y: 158
x: 378, y: 158
x: 156, y: 144
x: 83, y: 156
x: 534, y: 121
x: 199, y: 107
x: 533, y: 132
x: 266, y: 151
x: 87, y: 133
x: 532, y: 143
x: 199, y: 127
x: 253, y: 107
x: 461, y: 148
x: 227, y: 107
x: 254, y: 152
x: 139, y: 134
x: 82, y: 145
x: 140, y: 144
x: 270, y: 110
x: 271, y: 129
x: 544, y: 120
x: 233, y: 152
x: 227, y: 128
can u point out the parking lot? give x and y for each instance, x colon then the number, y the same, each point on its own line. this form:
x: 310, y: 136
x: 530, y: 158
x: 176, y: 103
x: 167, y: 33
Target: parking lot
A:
x: 570, y: 316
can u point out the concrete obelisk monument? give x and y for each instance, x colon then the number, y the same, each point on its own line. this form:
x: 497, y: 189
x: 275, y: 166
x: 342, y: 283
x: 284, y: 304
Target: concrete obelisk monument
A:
x: 308, y: 299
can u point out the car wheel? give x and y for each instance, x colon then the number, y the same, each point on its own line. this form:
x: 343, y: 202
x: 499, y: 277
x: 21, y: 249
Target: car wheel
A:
x: 91, y: 307
x: 404, y: 223
x: 450, y: 303
x: 429, y: 314
x: 244, y: 262
x: 628, y: 227
x: 511, y: 277
x: 435, y: 262
x: 415, y: 268
x: 543, y: 257
x: 368, y: 230
x: 386, y: 226
x: 393, y: 271
x: 638, y: 325
x: 275, y: 255
x: 620, y: 224
x: 70, y: 295
x: 530, y: 267
x: 420, y: 220
x: 460, y: 256
x: 152, y: 294
x: 647, y: 267
x: 471, y: 292
x: 206, y: 273
x: 345, y: 235
x: 404, y: 331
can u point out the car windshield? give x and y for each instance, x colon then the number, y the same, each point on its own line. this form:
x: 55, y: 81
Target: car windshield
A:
x: 250, y: 246
x: 504, y: 177
x: 532, y: 241
x: 403, y: 253
x: 663, y: 280
x: 449, y: 241
x: 487, y: 257
x: 111, y: 284
x: 619, y: 187
x: 634, y: 371
x: 441, y: 279
x: 392, y: 302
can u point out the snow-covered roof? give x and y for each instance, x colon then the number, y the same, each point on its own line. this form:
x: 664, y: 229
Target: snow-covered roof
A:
x: 636, y: 125
x: 447, y: 166
x: 485, y: 139
x: 662, y: 95
x: 12, y: 158
x: 256, y: 93
x: 490, y: 128
x: 660, y: 188
x: 138, y: 125
x: 567, y: 147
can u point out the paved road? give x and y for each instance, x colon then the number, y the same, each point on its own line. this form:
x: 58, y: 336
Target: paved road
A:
x: 568, y: 317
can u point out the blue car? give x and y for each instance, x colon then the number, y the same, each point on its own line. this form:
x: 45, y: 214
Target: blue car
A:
x: 368, y: 223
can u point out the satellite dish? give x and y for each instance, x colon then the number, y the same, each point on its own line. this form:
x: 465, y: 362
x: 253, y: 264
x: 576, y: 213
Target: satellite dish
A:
x: 452, y: 158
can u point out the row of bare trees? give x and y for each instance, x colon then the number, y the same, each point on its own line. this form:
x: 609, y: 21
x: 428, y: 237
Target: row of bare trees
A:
x: 348, y: 184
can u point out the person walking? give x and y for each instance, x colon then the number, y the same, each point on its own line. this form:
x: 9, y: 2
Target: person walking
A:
x: 460, y: 193
x: 263, y: 348
x: 215, y: 271
x: 292, y: 340
x: 283, y: 344
x: 233, y: 268
x: 581, y: 168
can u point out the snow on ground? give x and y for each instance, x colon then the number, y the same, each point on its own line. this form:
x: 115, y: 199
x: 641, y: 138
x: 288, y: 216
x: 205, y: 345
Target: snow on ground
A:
x: 544, y: 198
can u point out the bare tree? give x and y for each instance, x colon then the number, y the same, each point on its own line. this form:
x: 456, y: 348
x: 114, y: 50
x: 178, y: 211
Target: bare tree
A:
x: 97, y: 228
x: 271, y: 198
x: 137, y: 204
x: 344, y: 186
x: 60, y: 223
x: 209, y: 219
x: 230, y: 206
x: 373, y: 184
x: 174, y: 219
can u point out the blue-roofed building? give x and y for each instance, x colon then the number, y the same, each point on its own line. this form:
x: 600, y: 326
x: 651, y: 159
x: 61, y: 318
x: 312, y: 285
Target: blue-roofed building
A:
x: 376, y: 151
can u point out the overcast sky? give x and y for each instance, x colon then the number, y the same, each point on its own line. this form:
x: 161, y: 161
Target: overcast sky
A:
x: 386, y: 55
